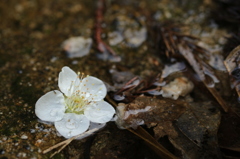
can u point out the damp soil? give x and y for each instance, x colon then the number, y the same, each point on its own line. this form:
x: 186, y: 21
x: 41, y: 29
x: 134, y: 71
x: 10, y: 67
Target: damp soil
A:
x: 31, y: 33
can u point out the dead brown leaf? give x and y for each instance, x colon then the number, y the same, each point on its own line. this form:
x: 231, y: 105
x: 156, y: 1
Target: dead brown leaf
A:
x: 148, y: 110
x: 197, y: 131
x: 165, y: 128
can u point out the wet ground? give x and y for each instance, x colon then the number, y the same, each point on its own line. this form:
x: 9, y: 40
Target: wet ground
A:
x: 31, y: 33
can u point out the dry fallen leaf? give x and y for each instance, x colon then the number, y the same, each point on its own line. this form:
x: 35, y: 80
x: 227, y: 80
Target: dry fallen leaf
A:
x: 148, y: 110
x: 164, y: 128
x: 197, y: 131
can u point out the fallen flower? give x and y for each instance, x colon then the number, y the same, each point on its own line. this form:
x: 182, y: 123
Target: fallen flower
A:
x: 78, y: 105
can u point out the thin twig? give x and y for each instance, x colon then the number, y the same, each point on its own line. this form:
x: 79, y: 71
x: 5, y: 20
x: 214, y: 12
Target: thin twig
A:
x: 101, y: 45
x: 57, y: 145
x: 124, y: 86
x: 67, y: 142
x: 151, y: 141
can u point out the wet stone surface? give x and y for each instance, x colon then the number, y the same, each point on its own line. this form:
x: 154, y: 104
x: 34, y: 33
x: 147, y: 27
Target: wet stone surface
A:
x: 31, y: 57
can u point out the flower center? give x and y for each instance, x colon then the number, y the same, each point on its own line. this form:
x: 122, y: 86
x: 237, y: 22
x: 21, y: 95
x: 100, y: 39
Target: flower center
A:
x: 78, y: 100
x: 76, y: 104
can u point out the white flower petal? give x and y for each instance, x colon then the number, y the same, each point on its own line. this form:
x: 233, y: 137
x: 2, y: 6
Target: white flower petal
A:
x: 99, y: 112
x: 50, y: 107
x: 67, y: 80
x: 72, y: 125
x: 77, y: 46
x: 93, y: 88
x: 92, y: 129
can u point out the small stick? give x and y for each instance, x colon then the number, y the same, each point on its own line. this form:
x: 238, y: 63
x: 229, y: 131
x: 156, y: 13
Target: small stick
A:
x: 68, y: 141
x: 129, y: 82
x: 144, y: 91
x: 102, y: 46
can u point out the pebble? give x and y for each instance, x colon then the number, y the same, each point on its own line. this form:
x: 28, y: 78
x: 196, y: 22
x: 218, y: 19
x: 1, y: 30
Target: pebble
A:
x: 24, y: 137
x: 21, y: 154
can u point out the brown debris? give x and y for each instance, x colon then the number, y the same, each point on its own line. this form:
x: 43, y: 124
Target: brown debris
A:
x: 153, y: 143
x: 129, y: 86
x: 184, y: 47
x: 106, y: 50
x: 147, y: 110
x: 197, y: 131
x: 150, y: 141
x: 232, y: 64
x: 163, y: 129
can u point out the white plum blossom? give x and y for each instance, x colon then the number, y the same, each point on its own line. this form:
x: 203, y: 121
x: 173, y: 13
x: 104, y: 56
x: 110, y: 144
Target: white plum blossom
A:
x: 77, y: 106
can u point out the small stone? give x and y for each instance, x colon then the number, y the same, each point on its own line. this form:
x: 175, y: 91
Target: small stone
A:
x: 24, y: 137
x: 22, y: 154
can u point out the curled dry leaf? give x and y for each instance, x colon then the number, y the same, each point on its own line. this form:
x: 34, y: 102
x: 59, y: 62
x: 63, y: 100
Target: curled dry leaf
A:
x: 232, y: 64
